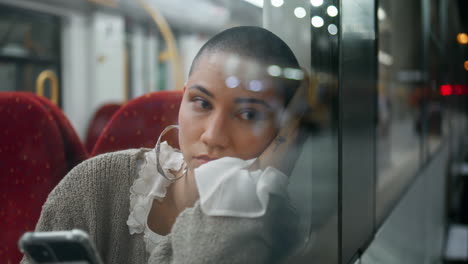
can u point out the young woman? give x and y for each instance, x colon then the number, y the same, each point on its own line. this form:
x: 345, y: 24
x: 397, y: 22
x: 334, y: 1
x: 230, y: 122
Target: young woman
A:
x: 220, y: 199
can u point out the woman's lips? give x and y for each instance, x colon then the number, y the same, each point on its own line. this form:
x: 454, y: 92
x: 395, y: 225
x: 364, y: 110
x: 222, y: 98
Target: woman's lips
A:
x: 202, y: 159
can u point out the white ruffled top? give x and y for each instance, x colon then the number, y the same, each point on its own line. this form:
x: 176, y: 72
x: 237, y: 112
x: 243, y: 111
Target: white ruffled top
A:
x: 226, y: 188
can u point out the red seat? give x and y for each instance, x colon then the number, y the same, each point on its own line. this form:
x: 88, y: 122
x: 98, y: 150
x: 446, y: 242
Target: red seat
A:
x: 32, y: 162
x: 75, y: 151
x: 98, y: 122
x: 139, y: 122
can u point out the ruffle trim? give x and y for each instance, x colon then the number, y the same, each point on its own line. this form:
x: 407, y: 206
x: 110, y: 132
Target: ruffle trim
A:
x: 151, y: 185
x: 237, y: 191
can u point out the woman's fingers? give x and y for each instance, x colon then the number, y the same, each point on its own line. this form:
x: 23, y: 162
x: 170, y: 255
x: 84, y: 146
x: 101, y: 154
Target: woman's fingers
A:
x: 282, y: 151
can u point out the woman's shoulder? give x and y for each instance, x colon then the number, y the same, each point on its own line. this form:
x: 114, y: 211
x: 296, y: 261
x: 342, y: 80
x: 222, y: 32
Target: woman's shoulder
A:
x: 110, y: 162
x: 113, y: 157
x: 103, y: 171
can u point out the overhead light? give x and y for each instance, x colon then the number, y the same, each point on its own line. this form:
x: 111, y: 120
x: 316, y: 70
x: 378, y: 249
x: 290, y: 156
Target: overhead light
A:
x: 274, y: 70
x: 300, y: 12
x: 277, y: 3
x: 292, y: 73
x: 317, y: 21
x: 462, y: 38
x: 258, y: 3
x: 332, y: 29
x: 316, y: 3
x: 255, y: 86
x: 232, y: 82
x: 332, y: 11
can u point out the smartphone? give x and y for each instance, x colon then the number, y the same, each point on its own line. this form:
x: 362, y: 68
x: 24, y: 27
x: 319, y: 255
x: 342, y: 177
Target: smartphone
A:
x: 70, y: 247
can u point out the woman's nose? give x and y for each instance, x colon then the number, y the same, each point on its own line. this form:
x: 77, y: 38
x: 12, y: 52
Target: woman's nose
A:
x: 215, y: 134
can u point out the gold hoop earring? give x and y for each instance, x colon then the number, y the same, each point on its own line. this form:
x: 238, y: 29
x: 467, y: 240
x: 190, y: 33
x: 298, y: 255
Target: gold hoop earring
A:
x: 157, y: 150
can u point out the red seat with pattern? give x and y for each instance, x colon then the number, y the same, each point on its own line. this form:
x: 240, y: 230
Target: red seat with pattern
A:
x: 75, y: 151
x: 98, y: 122
x: 139, y: 122
x: 32, y: 162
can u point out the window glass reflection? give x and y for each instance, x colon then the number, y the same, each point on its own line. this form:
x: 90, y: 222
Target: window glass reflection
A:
x: 27, y: 34
x: 29, y: 44
x: 400, y: 97
x: 233, y: 129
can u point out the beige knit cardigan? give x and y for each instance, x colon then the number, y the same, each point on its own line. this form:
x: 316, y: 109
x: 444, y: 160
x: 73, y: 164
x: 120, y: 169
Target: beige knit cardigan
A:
x: 95, y: 197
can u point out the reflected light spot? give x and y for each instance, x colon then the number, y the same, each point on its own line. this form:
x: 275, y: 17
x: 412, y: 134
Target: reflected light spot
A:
x: 316, y: 2
x: 300, y: 12
x: 445, y: 90
x: 381, y: 14
x: 385, y: 58
x: 232, y: 82
x: 462, y: 38
x: 317, y: 21
x: 232, y: 64
x: 274, y: 70
x: 255, y: 86
x: 466, y: 65
x: 332, y: 29
x: 277, y: 3
x: 332, y: 11
x: 294, y: 74
x: 453, y: 89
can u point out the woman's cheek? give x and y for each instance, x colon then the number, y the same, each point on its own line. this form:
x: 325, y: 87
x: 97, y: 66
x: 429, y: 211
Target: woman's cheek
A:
x: 183, y: 126
x: 246, y: 144
x: 188, y: 131
x: 263, y: 137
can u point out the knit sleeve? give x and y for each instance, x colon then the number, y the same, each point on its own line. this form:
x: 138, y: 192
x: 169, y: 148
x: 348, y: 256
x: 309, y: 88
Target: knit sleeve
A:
x: 199, y: 238
x: 94, y: 197
x: 71, y: 204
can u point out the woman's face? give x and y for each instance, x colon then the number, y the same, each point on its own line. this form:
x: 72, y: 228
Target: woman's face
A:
x: 227, y: 110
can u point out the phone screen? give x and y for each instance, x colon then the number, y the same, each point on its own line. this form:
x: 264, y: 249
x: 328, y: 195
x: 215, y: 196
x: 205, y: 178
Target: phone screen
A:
x: 58, y: 252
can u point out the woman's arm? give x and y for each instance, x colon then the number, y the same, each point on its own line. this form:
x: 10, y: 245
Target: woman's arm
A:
x: 94, y: 197
x: 284, y: 149
x: 63, y: 209
x: 198, y: 238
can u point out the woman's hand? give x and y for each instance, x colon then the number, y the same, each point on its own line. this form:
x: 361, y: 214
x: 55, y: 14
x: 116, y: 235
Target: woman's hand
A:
x: 284, y: 149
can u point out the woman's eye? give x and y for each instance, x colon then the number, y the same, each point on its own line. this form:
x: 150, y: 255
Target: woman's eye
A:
x: 201, y: 103
x: 250, y: 115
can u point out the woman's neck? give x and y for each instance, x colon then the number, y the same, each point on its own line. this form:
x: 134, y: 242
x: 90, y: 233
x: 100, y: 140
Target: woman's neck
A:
x: 184, y: 192
x: 180, y: 195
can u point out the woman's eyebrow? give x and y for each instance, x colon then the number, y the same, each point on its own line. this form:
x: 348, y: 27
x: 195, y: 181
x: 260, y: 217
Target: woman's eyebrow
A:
x: 202, y: 89
x: 252, y: 101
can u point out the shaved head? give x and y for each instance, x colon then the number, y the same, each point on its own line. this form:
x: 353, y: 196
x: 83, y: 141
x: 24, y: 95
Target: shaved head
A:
x: 254, y: 43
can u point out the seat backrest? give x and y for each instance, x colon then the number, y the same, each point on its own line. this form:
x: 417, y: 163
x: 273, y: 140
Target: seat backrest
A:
x: 98, y: 122
x: 139, y: 122
x: 75, y: 151
x: 32, y: 162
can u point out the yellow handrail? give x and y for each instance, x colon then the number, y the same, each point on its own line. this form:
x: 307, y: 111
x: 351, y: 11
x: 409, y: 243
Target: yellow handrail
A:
x: 44, y: 76
x: 169, y: 39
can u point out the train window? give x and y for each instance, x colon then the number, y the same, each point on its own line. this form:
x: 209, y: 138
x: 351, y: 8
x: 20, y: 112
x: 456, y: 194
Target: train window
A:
x: 29, y: 45
x: 435, y: 123
x: 400, y: 98
x: 314, y: 178
x: 28, y: 34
